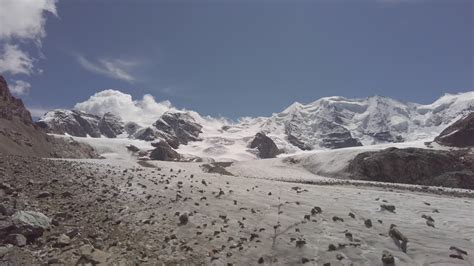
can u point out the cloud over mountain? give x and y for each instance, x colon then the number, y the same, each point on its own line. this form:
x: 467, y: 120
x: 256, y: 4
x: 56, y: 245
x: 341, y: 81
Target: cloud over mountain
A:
x: 144, y: 111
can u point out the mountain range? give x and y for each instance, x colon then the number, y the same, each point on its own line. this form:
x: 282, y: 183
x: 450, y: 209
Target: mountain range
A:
x: 327, y: 123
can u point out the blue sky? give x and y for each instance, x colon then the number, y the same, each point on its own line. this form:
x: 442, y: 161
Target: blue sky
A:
x: 236, y: 58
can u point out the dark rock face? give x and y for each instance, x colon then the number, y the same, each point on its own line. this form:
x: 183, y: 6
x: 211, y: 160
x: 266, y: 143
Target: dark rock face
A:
x: 459, y: 134
x: 80, y: 124
x: 298, y: 143
x: 415, y: 166
x: 111, y: 125
x: 146, y: 134
x: 11, y: 107
x: 265, y: 146
x: 131, y: 128
x: 163, y: 152
x: 178, y: 128
x: 335, y: 136
x: 74, y: 123
x: 386, y: 136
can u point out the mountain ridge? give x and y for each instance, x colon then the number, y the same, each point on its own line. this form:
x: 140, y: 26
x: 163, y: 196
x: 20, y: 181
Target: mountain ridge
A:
x: 329, y: 122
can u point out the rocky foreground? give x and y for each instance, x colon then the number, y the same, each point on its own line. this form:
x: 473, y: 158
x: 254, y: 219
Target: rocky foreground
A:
x: 105, y: 212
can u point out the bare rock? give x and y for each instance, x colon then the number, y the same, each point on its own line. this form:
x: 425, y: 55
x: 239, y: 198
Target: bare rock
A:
x: 265, y: 146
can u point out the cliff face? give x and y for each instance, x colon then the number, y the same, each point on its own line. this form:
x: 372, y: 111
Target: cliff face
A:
x: 20, y: 136
x: 10, y: 107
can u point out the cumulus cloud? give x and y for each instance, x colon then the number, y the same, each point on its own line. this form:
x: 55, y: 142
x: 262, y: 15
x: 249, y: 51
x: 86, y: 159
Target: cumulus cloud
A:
x: 20, y: 87
x: 25, y: 19
x: 113, y: 68
x: 15, y: 61
x: 144, y: 112
x: 21, y: 20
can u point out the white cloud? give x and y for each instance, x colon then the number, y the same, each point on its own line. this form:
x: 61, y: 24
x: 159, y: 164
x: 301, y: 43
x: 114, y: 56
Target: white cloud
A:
x: 24, y: 19
x: 21, y: 20
x: 15, y: 61
x: 144, y: 112
x: 113, y: 68
x: 20, y: 87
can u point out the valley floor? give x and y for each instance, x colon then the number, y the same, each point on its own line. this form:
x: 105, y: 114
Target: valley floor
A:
x: 122, y: 212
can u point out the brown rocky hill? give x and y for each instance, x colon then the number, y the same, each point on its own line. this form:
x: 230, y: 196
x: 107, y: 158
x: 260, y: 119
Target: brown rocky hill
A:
x: 20, y: 136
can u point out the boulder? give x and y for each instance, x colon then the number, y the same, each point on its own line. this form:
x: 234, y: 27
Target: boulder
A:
x: 164, y: 152
x: 459, y: 134
x: 18, y: 240
x: 31, y: 224
x: 265, y: 146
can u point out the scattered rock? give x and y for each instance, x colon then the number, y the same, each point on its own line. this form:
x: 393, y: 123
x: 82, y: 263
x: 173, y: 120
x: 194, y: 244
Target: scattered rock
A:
x: 399, y: 237
x: 63, y: 240
x: 385, y: 207
x: 368, y: 223
x: 315, y: 210
x: 387, y: 258
x: 18, y: 240
x: 183, y: 219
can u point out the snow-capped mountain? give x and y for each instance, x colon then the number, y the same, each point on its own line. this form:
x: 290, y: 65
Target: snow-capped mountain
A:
x: 80, y: 124
x: 330, y: 122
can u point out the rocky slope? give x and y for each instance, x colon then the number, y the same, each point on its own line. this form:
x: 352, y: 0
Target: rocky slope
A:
x: 170, y: 213
x: 328, y: 123
x: 19, y: 135
x: 416, y: 166
x: 459, y: 134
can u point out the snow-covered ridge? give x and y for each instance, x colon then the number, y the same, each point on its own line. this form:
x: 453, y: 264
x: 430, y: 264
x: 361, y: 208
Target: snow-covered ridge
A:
x: 330, y: 122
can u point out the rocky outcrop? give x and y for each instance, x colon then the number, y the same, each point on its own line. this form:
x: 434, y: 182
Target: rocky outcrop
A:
x: 20, y: 136
x: 131, y: 128
x: 265, y: 146
x: 178, y: 128
x: 415, y: 166
x: 80, y: 124
x: 164, y: 152
x: 459, y: 134
x: 146, y: 134
x: 386, y: 136
x: 111, y: 125
x: 10, y: 107
x: 334, y: 136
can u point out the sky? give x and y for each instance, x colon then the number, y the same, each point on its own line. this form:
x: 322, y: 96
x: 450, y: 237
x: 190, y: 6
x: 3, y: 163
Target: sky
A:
x: 235, y: 58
